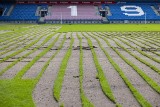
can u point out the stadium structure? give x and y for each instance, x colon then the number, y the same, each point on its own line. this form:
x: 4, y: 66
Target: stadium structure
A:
x: 76, y: 11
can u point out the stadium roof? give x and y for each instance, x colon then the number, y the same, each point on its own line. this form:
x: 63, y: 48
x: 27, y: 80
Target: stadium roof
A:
x: 79, y: 0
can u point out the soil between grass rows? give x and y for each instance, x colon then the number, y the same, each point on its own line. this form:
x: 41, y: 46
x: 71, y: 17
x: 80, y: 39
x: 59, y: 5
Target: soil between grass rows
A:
x: 70, y: 93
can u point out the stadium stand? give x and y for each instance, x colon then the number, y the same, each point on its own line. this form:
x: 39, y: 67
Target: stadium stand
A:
x: 71, y: 13
x: 132, y: 12
x: 6, y: 8
x: 115, y: 12
x: 22, y: 12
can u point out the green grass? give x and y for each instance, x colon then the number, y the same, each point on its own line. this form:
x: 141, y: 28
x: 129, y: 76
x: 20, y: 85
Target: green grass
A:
x: 146, y: 44
x: 110, y: 27
x: 140, y: 59
x: 24, y: 56
x: 21, y: 50
x: 35, y: 59
x: 18, y: 93
x: 154, y: 41
x: 84, y: 100
x: 149, y: 80
x: 102, y: 78
x: 20, y: 39
x: 60, y: 76
x: 10, y: 38
x: 50, y: 59
x: 15, y: 28
x: 140, y: 51
x: 17, y: 45
x: 142, y: 101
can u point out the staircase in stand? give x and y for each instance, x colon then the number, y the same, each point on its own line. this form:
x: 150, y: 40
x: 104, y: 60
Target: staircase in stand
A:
x: 41, y: 20
x: 10, y: 10
x: 105, y: 20
x: 155, y: 10
x: 37, y: 11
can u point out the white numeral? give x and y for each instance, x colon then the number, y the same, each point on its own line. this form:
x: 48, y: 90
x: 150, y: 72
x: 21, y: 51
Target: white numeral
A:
x: 129, y: 9
x: 73, y: 10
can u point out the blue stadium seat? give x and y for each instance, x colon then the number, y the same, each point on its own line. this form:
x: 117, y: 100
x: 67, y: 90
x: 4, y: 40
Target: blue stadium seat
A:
x: 132, y: 12
x: 6, y: 8
x: 119, y: 12
x: 22, y: 12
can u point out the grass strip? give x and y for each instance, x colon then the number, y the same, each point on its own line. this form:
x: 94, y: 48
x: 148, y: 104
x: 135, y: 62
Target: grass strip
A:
x: 140, y: 59
x: 18, y: 35
x: 141, y: 52
x: 60, y: 76
x: 15, y: 29
x: 24, y: 56
x: 35, y: 59
x: 102, y: 78
x: 152, y: 41
x: 21, y: 50
x: 149, y: 80
x: 146, y: 43
x: 85, y: 101
x: 10, y: 38
x: 50, y: 59
x: 15, y: 36
x: 142, y: 101
x: 17, y: 45
x: 13, y: 43
x: 17, y: 40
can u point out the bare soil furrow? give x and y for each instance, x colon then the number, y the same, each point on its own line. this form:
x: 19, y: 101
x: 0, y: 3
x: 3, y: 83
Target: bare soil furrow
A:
x: 111, y: 69
x: 70, y: 94
x: 39, y: 42
x: 91, y: 85
x: 151, y: 95
x: 14, y: 37
x: 31, y: 56
x: 149, y: 42
x: 144, y: 67
x: 36, y: 68
x: 19, y: 35
x: 16, y: 48
x: 29, y: 49
x: 134, y: 41
x: 4, y: 64
x: 142, y: 56
x: 146, y: 48
x: 119, y: 88
x: 10, y: 44
x: 43, y: 92
x: 15, y: 69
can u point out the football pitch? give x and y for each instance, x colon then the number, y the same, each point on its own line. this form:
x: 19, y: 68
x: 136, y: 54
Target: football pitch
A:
x: 105, y: 65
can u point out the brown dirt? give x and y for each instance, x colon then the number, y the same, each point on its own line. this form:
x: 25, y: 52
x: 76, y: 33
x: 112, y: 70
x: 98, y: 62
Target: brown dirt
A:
x: 36, y: 68
x: 70, y: 94
x: 138, y: 82
x: 91, y: 85
x: 43, y: 92
x: 119, y: 88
